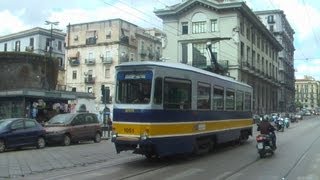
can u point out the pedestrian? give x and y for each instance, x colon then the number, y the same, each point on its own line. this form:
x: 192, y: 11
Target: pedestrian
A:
x: 109, y: 122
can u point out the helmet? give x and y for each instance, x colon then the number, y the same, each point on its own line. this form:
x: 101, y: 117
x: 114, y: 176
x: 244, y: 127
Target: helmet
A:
x: 265, y: 118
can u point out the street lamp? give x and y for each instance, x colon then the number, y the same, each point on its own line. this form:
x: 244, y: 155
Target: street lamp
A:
x: 51, y: 24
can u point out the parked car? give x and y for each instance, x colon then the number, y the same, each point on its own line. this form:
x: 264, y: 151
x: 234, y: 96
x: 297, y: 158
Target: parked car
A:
x: 307, y: 113
x: 299, y: 115
x: 19, y: 132
x: 73, y: 127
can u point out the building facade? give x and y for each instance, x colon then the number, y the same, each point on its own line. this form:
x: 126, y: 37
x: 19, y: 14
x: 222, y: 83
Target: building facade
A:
x: 239, y: 41
x: 307, y: 93
x: 38, y: 40
x: 277, y: 23
x: 95, y: 48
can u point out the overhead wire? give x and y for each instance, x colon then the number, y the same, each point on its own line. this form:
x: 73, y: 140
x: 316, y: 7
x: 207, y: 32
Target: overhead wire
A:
x: 173, y: 28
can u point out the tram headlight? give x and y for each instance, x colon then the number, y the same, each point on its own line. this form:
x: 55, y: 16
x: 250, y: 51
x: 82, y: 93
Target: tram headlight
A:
x: 144, y: 136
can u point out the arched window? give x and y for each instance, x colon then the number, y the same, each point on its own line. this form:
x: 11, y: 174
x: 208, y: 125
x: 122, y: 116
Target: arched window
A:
x: 199, y: 23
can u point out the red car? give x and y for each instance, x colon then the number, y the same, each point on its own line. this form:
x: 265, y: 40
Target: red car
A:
x: 73, y: 127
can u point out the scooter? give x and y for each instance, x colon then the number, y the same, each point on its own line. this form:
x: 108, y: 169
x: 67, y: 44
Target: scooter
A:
x: 280, y: 124
x: 286, y: 122
x: 265, y: 146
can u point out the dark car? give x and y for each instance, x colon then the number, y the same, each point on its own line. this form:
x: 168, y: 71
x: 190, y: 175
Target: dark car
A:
x: 73, y: 127
x: 19, y: 132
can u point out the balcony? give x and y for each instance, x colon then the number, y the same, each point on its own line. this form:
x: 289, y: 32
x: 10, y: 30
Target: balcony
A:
x: 74, y: 62
x: 245, y: 66
x: 143, y: 52
x: 90, y: 61
x: 89, y: 80
x: 91, y: 41
x: 107, y: 60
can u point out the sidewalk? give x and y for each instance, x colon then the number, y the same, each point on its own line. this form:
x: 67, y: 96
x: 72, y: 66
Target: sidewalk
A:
x: 19, y: 163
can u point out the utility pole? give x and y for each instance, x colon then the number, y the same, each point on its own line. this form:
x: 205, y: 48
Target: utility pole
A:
x: 51, y: 38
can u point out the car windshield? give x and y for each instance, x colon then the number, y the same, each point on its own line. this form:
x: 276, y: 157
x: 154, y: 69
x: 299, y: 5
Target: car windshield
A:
x: 60, y: 119
x: 4, y: 123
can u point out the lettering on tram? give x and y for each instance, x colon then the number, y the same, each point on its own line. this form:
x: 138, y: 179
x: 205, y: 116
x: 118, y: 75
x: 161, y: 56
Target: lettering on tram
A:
x: 163, y: 109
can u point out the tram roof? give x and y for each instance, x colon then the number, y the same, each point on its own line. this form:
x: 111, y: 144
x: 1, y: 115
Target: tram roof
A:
x: 179, y: 66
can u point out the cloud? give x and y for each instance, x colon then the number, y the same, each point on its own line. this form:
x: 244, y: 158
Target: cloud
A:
x: 12, y: 23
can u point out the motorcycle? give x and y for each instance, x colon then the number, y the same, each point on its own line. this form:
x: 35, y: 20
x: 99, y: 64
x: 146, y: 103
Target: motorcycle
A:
x: 280, y: 124
x: 264, y: 145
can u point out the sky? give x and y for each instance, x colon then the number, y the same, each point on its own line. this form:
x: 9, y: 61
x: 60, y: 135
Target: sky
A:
x: 303, y: 16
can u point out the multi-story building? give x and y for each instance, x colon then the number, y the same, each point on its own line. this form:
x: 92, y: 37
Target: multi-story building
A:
x: 277, y: 23
x: 38, y: 40
x: 239, y: 40
x: 95, y: 48
x: 307, y: 92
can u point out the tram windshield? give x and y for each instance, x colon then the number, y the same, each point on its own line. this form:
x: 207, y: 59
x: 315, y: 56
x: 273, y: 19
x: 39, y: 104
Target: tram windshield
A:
x: 134, y: 89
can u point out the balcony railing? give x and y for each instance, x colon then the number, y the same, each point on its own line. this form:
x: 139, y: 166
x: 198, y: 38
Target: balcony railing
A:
x: 90, y: 61
x: 89, y: 80
x: 107, y: 60
x: 74, y: 62
x: 91, y: 41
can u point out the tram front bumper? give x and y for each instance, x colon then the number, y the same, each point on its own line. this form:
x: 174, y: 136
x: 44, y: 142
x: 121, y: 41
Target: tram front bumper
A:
x: 137, y: 145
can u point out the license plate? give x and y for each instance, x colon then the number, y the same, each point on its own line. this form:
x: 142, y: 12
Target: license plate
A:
x: 260, y: 145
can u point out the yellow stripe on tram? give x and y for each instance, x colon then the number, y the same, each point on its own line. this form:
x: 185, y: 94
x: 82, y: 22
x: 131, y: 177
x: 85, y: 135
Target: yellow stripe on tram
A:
x: 178, y: 129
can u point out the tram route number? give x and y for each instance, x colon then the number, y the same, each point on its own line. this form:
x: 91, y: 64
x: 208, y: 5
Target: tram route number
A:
x: 128, y: 130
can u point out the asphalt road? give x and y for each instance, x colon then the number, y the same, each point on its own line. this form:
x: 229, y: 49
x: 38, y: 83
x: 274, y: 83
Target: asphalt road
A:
x: 297, y: 157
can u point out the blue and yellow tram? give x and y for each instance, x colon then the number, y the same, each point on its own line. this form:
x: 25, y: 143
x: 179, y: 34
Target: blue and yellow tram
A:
x: 162, y: 109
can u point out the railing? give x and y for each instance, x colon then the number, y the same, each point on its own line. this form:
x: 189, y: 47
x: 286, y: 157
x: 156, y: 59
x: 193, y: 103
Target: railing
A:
x: 74, y: 62
x: 107, y: 60
x: 90, y: 61
x: 89, y: 80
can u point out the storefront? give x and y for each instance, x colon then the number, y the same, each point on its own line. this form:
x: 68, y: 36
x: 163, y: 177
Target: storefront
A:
x: 37, y: 104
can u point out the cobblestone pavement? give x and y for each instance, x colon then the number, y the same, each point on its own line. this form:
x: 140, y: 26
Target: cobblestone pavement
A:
x: 19, y: 163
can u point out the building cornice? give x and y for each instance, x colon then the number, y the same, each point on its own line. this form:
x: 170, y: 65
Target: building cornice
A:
x: 178, y: 9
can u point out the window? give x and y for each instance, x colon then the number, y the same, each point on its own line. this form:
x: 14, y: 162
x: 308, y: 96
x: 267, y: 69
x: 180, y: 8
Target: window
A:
x: 47, y: 47
x: 242, y: 26
x: 177, y: 93
x: 134, y: 87
x: 17, y: 46
x: 30, y: 124
x: 74, y: 89
x: 271, y: 28
x: 218, y: 102
x: 248, y: 33
x: 89, y: 90
x: 5, y: 47
x: 239, y: 101
x: 203, y: 96
x: 107, y: 73
x: 74, y: 74
x: 242, y: 50
x: 230, y: 100
x: 158, y: 91
x: 198, y: 27
x: 31, y: 42
x: 184, y: 53
x: 247, y: 102
x: 17, y: 125
x: 270, y: 19
x: 185, y: 28
x: 214, y: 25
x: 59, y: 45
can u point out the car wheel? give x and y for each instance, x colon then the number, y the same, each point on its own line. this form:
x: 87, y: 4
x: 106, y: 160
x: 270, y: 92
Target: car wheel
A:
x: 2, y: 146
x: 66, y: 140
x: 41, y: 143
x: 97, y: 138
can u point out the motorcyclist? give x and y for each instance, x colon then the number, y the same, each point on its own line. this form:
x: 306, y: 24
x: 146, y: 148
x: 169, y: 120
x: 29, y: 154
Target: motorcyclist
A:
x: 265, y: 127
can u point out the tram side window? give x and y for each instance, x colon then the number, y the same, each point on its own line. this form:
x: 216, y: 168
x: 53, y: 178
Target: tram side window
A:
x: 239, y: 101
x: 158, y: 91
x: 177, y: 94
x: 230, y: 100
x: 203, y: 101
x: 218, y: 103
x: 247, y: 102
